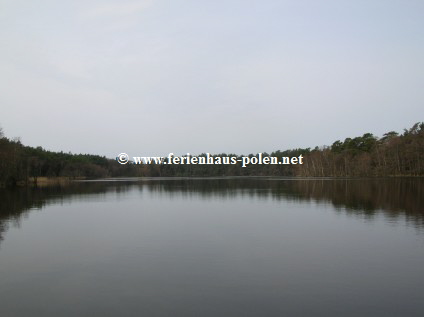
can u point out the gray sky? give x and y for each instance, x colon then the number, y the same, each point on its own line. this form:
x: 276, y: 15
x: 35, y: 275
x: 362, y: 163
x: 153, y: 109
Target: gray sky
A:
x: 153, y: 77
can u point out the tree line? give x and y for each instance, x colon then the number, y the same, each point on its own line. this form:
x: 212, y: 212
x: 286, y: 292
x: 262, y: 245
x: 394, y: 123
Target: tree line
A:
x: 20, y: 164
x: 394, y: 154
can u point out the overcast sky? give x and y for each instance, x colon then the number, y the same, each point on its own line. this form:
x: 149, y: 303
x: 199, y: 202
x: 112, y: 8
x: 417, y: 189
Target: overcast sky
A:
x: 153, y: 77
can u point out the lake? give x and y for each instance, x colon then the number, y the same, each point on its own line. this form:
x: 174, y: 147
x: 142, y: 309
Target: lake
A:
x: 214, y: 247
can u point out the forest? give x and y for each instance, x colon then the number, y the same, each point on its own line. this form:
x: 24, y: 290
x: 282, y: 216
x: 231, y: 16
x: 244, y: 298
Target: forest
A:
x: 393, y: 154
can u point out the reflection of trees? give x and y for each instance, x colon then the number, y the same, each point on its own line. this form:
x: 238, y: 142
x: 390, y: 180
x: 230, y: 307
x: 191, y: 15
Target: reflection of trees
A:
x: 393, y: 197
x: 16, y: 203
x: 390, y: 197
x: 362, y: 197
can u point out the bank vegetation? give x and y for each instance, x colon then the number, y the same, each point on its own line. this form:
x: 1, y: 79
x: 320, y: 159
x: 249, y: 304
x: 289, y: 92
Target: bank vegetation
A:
x: 393, y: 154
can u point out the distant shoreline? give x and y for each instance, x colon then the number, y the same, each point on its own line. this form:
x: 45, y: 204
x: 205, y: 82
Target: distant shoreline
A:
x: 64, y: 181
x: 392, y: 155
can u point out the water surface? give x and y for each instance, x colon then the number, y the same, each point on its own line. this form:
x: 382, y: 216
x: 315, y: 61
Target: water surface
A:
x: 214, y: 247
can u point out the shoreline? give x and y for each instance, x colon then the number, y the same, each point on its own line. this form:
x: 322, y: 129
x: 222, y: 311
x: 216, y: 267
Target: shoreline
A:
x: 64, y: 181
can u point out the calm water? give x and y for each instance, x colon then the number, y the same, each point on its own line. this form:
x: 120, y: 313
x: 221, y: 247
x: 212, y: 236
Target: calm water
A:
x: 214, y: 247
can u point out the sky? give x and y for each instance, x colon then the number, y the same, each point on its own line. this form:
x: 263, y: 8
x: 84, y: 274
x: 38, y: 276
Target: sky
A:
x: 150, y: 77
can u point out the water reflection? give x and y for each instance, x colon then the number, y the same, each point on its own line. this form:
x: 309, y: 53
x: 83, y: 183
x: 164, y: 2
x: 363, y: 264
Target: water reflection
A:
x: 16, y: 203
x: 394, y: 198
